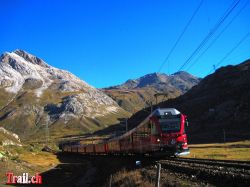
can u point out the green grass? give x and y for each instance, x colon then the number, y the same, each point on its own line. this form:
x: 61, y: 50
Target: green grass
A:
x: 5, y: 97
x: 126, y: 178
x: 25, y: 123
x: 28, y: 159
x: 225, y: 151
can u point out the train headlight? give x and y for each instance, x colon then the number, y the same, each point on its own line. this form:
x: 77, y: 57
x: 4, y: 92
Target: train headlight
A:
x: 158, y: 140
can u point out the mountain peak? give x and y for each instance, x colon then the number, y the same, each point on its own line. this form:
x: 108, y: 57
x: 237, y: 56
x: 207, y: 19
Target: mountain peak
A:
x: 181, y: 80
x: 180, y: 72
x: 17, y: 51
x: 21, y: 71
x: 184, y: 75
x: 153, y: 75
x: 31, y: 58
x: 19, y: 67
x: 20, y: 56
x: 136, y: 94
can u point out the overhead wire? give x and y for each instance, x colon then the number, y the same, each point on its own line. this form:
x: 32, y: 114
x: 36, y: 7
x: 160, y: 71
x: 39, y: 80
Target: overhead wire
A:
x: 210, y: 34
x: 219, y: 35
x: 181, y: 35
x: 231, y: 51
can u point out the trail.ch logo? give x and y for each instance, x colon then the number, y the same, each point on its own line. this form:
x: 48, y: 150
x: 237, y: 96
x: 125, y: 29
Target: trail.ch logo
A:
x: 23, y: 179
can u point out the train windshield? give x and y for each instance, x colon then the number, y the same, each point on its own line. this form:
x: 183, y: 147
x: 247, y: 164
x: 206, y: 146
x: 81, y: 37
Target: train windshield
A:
x: 170, y: 124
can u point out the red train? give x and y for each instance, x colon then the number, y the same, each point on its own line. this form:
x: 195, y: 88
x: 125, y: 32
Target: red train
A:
x: 161, y: 133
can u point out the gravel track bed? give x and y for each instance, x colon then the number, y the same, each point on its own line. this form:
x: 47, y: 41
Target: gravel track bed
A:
x: 220, y: 173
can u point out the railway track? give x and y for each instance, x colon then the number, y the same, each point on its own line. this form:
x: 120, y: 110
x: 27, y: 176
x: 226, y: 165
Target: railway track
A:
x: 223, y: 163
x: 218, y: 172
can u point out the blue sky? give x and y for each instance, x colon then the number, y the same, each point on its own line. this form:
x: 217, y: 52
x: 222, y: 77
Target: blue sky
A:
x: 107, y: 42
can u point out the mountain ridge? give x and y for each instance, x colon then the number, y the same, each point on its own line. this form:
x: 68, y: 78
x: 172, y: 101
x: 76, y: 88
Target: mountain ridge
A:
x: 156, y: 78
x: 136, y: 94
x: 38, y: 95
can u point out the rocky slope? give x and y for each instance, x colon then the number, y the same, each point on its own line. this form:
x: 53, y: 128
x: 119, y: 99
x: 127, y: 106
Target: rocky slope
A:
x: 8, y: 138
x: 139, y: 93
x: 219, y: 104
x: 35, y: 95
x: 160, y: 81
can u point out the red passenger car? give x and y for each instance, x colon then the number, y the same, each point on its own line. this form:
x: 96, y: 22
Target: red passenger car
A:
x: 162, y: 132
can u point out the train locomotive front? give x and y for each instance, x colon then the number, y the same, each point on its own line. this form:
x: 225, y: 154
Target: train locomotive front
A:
x: 168, y: 132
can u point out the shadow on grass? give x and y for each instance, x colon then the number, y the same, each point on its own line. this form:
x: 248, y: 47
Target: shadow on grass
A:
x: 83, y: 170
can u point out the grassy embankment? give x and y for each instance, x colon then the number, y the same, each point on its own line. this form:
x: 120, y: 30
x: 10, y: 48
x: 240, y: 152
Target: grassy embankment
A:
x: 25, y: 159
x: 224, y: 151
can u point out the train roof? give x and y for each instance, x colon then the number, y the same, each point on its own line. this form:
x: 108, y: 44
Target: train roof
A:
x: 166, y: 111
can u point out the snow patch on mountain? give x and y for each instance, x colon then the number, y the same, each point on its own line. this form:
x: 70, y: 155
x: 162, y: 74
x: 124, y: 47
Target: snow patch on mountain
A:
x: 11, y: 138
x: 20, y: 70
x: 16, y: 69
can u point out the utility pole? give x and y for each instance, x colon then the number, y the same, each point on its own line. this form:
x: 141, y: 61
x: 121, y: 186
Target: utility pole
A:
x: 126, y: 121
x: 158, y: 175
x: 110, y: 181
x: 159, y: 94
x: 149, y: 104
x: 92, y: 138
x: 47, y: 133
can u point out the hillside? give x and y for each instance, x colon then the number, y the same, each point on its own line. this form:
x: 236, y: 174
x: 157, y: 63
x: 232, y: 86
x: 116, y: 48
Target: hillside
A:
x: 219, y: 104
x: 136, y: 94
x: 8, y: 138
x: 35, y: 97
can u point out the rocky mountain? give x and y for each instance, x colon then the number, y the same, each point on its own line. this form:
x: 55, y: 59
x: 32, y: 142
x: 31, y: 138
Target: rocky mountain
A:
x: 217, y: 108
x: 8, y: 138
x: 35, y: 96
x: 161, y: 82
x: 136, y: 94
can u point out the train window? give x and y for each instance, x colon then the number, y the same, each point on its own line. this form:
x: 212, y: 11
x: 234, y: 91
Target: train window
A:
x: 154, y: 130
x: 147, y: 129
x: 169, y: 125
x: 169, y: 116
